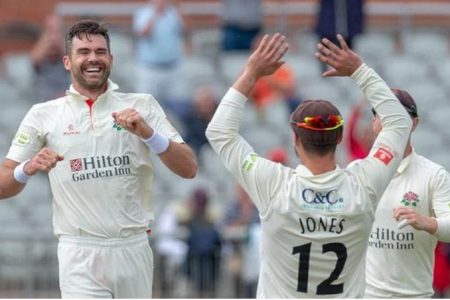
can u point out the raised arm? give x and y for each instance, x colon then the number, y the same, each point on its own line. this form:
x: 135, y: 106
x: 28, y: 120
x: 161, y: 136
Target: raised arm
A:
x: 387, y: 152
x: 224, y: 126
x: 264, y: 61
x: 252, y: 172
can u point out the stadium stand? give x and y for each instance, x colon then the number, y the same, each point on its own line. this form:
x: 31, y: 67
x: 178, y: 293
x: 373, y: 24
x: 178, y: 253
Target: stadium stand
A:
x: 406, y: 41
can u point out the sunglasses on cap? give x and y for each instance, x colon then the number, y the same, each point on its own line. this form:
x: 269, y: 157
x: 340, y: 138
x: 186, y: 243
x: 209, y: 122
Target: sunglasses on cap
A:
x: 320, y: 122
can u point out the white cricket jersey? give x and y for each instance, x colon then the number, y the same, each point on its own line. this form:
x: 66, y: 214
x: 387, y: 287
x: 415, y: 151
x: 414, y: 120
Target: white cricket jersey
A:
x: 314, y: 227
x: 102, y: 188
x: 400, y: 261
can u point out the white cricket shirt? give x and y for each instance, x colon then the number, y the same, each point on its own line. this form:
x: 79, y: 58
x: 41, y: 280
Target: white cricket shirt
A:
x: 314, y: 227
x: 102, y: 188
x: 400, y: 261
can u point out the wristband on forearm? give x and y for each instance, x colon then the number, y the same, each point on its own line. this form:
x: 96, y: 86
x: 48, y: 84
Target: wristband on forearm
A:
x: 157, y: 143
x: 19, y: 173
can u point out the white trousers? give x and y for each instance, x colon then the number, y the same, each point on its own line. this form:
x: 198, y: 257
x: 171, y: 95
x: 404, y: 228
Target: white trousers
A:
x: 105, y: 268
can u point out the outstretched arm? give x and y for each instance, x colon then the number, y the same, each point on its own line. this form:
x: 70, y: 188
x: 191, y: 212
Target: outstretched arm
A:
x: 389, y: 146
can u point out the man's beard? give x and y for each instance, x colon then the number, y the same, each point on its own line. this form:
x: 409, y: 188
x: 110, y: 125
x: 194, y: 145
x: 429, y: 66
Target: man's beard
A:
x: 93, y: 85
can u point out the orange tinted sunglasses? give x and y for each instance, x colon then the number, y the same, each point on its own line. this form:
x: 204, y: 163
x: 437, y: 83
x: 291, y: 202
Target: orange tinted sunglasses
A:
x: 320, y: 122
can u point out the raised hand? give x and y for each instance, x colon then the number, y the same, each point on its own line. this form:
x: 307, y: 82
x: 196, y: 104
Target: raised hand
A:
x: 266, y: 59
x: 45, y: 160
x: 343, y: 61
x: 132, y: 121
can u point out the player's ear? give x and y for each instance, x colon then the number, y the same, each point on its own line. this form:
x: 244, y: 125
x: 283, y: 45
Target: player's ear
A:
x: 415, y: 123
x: 67, y: 63
x: 296, y: 140
x: 339, y: 140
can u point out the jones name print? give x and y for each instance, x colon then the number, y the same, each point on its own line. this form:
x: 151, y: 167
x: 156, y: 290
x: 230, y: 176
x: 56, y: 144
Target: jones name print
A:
x: 323, y: 224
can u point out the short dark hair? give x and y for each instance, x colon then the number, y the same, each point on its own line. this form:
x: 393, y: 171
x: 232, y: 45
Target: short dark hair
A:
x: 317, y: 142
x: 407, y: 101
x: 86, y: 28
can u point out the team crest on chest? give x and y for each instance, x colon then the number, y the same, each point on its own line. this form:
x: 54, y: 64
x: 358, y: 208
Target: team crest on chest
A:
x: 410, y: 199
x: 117, y: 127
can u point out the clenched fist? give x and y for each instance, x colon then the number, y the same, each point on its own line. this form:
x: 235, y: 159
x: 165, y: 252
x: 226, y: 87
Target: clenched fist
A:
x: 132, y: 121
x: 45, y: 160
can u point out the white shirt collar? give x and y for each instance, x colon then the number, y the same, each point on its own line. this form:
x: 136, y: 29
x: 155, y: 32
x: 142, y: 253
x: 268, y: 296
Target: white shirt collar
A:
x: 406, y: 162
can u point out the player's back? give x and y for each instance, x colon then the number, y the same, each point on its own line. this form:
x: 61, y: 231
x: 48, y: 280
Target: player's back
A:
x: 315, y: 237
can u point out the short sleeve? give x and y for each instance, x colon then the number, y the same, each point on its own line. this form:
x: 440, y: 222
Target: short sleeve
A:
x: 158, y: 121
x: 29, y: 138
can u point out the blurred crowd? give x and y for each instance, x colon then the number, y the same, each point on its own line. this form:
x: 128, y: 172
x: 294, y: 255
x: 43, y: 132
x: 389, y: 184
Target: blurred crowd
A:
x: 199, y: 237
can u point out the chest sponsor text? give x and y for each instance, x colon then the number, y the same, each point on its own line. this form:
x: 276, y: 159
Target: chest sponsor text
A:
x: 385, y: 238
x: 88, y: 168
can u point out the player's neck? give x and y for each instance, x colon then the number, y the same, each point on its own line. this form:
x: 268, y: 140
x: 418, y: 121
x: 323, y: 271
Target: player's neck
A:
x: 90, y: 93
x: 408, y: 150
x: 319, y: 164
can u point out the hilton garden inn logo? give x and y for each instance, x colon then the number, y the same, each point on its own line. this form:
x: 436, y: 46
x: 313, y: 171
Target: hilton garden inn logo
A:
x: 99, y: 166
